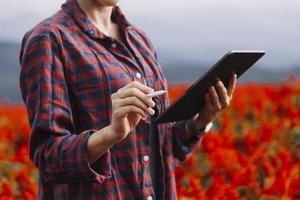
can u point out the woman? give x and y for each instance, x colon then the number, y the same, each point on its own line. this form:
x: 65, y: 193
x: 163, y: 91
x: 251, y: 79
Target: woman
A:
x: 85, y: 75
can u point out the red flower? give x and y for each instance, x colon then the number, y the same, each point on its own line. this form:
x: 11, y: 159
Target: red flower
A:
x: 294, y: 189
x: 6, y: 190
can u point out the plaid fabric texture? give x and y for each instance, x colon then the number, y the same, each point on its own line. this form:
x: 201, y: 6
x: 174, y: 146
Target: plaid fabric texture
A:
x: 69, y: 69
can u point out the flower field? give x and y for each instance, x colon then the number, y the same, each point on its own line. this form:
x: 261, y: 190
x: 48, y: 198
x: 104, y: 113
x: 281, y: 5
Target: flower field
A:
x: 18, y: 177
x: 253, y: 151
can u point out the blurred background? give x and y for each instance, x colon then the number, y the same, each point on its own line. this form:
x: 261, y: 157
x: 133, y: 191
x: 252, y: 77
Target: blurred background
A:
x: 189, y: 35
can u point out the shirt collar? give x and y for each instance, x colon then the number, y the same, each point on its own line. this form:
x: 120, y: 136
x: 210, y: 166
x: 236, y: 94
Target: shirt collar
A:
x: 79, y: 16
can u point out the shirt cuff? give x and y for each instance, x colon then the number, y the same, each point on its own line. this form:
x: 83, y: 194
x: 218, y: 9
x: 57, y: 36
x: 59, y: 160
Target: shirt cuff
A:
x: 73, y: 165
x: 190, y: 127
x: 100, y: 170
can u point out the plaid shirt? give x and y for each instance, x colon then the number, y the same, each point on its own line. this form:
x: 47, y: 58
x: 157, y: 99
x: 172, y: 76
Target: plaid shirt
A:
x: 69, y: 69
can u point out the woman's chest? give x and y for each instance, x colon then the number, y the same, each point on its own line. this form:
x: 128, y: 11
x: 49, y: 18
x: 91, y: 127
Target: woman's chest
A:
x: 96, y: 70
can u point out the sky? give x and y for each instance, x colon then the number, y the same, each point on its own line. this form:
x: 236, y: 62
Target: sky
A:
x: 191, y: 31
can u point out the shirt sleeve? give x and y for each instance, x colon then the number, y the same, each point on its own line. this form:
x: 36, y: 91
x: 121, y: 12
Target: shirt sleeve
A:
x: 57, y: 151
x: 182, y: 148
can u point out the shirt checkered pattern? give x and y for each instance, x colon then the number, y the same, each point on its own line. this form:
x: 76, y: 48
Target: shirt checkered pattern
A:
x: 69, y: 69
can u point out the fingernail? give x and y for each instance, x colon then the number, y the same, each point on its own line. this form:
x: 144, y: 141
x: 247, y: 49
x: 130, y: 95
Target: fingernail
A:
x: 151, y: 111
x: 152, y: 103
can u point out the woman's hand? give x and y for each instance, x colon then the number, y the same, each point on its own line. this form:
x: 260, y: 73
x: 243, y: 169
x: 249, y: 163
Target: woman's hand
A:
x: 129, y: 104
x: 216, y: 100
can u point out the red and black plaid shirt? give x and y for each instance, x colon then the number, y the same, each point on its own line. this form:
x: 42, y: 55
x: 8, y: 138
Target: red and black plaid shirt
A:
x: 69, y: 69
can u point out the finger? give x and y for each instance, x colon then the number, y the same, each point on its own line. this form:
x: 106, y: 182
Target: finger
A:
x: 223, y: 96
x: 124, y: 111
x: 138, y: 85
x: 136, y: 102
x: 129, y: 92
x: 208, y: 102
x: 232, y: 85
x: 214, y: 98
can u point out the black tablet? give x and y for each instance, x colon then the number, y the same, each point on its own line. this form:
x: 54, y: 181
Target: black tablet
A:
x: 190, y: 103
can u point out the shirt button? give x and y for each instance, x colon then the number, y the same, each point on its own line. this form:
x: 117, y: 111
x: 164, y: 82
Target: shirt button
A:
x: 92, y: 32
x: 146, y: 158
x: 138, y: 75
x: 149, y: 197
x: 113, y: 45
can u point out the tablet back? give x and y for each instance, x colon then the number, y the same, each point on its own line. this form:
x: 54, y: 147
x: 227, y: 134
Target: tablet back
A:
x: 190, y: 103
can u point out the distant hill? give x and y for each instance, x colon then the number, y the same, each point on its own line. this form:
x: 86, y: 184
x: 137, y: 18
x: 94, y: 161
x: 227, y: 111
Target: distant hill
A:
x: 189, y: 73
x: 9, y: 71
x: 175, y: 71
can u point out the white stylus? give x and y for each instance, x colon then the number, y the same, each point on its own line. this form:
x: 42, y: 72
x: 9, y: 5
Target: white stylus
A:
x: 156, y: 93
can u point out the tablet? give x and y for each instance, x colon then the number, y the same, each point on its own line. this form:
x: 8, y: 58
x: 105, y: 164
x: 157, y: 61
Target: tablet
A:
x: 190, y: 103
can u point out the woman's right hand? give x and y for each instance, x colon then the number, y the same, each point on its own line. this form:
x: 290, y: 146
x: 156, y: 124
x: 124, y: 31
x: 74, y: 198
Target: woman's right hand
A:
x: 129, y: 104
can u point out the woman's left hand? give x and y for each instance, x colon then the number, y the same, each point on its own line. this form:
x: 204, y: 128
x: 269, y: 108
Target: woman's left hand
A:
x: 216, y: 100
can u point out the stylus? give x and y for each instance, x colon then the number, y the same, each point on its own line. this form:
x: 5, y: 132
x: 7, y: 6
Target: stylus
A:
x: 156, y: 93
